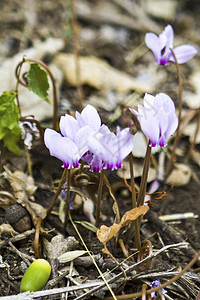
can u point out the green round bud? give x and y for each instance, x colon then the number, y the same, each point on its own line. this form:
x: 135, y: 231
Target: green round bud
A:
x: 36, y: 276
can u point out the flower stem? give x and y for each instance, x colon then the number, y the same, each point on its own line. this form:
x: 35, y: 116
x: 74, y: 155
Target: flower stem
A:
x: 180, y: 104
x: 143, y: 184
x: 134, y: 204
x: 98, y: 208
x: 57, y: 193
x: 67, y: 200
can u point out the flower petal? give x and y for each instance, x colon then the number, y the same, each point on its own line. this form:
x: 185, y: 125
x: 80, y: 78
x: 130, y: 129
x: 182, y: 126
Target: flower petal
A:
x: 125, y: 143
x: 69, y: 126
x: 183, y: 53
x: 62, y: 148
x: 153, y: 43
x: 81, y: 139
x: 89, y: 116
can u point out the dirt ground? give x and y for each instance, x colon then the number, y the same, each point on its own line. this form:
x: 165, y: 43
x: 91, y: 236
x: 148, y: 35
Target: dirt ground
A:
x: 113, y: 32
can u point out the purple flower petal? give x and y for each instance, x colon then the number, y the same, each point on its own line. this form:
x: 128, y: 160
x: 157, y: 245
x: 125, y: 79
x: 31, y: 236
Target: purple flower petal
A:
x: 69, y: 126
x: 62, y: 148
x: 157, y: 118
x: 183, y: 53
x: 162, y: 45
x: 89, y: 116
x: 153, y: 43
x: 81, y: 139
x: 125, y: 143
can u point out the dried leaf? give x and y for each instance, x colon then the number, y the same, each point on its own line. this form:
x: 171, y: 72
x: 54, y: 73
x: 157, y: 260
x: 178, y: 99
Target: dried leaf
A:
x: 59, y: 245
x: 180, y: 175
x: 70, y: 255
x: 99, y: 74
x: 104, y: 234
x: 133, y: 214
x: 23, y: 187
x: 8, y: 230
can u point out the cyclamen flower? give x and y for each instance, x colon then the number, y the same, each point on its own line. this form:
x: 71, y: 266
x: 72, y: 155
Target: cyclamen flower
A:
x: 71, y: 144
x: 157, y: 118
x: 110, y: 149
x: 161, y: 47
x: 155, y: 284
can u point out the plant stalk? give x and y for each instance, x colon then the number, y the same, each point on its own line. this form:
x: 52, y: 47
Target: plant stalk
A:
x: 98, y: 208
x: 180, y: 105
x: 57, y: 193
x: 67, y: 200
x: 134, y: 204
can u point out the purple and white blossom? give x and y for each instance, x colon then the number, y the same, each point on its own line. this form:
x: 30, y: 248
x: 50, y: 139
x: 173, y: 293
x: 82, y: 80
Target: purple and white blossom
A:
x: 72, y: 143
x: 161, y: 47
x: 155, y: 284
x: 157, y: 118
x: 109, y: 148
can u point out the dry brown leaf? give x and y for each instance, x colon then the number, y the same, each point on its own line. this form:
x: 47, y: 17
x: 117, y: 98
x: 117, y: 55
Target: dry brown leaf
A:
x: 104, y: 234
x: 133, y: 214
x: 180, y: 175
x: 99, y: 74
x: 23, y: 188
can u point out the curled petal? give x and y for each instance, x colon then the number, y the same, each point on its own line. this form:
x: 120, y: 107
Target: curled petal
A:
x: 183, y: 53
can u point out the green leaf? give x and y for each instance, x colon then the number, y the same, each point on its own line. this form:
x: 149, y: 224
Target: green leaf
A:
x: 10, y: 131
x: 88, y: 225
x: 70, y: 255
x: 38, y: 81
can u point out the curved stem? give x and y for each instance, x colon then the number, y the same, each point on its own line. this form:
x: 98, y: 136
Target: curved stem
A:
x: 55, y: 97
x: 180, y: 104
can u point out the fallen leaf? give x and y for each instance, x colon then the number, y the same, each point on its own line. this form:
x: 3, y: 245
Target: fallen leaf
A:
x: 99, y: 74
x: 23, y: 188
x: 180, y: 175
x: 133, y: 214
x: 104, y: 234
x: 70, y: 255
x: 59, y: 245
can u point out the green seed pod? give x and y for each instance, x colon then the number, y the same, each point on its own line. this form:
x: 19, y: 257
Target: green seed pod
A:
x: 36, y: 276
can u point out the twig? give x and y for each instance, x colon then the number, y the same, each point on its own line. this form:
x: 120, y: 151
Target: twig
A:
x: 131, y: 268
x: 100, y: 273
x: 18, y: 237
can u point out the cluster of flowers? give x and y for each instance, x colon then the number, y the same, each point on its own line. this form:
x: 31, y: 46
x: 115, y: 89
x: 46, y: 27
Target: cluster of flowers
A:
x: 84, y: 137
